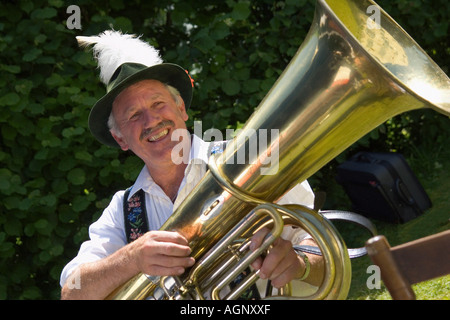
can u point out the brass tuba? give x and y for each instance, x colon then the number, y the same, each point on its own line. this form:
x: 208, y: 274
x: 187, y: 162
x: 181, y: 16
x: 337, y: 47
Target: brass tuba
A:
x: 352, y: 73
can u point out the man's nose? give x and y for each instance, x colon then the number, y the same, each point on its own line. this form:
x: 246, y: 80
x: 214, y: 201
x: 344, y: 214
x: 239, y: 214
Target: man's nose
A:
x: 151, y: 118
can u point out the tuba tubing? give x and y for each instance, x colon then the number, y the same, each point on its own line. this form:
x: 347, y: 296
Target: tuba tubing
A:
x: 348, y: 77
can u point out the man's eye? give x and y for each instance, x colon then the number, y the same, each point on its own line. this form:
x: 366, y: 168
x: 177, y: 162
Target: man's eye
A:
x: 134, y: 116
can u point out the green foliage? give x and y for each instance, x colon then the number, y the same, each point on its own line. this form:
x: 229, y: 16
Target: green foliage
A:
x: 55, y: 179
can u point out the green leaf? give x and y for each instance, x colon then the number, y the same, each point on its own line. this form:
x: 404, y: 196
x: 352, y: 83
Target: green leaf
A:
x: 45, y: 229
x: 9, y: 99
x: 66, y: 163
x: 115, y: 163
x: 56, y: 250
x: 219, y: 31
x: 59, y: 186
x: 36, y: 108
x: 44, y: 257
x: 44, y: 13
x: 123, y: 24
x: 23, y: 86
x: 6, y: 249
x: 5, y: 176
x: 117, y: 4
x: 55, y: 80
x: 205, y: 43
x: 32, y: 55
x: 241, y: 11
x: 56, y: 3
x: 231, y: 86
x: 29, y: 230
x: 76, y: 176
x: 13, y: 227
x: 52, y: 142
x: 70, y: 132
x: 10, y: 68
x: 178, y: 17
x: 66, y: 214
x: 83, y: 155
x: 80, y: 203
x: 41, y: 224
x: 251, y: 86
x: 48, y: 200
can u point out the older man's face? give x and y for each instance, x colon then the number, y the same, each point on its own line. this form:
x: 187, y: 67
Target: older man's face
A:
x: 147, y: 115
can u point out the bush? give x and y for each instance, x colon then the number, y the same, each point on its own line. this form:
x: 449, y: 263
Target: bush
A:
x: 55, y: 179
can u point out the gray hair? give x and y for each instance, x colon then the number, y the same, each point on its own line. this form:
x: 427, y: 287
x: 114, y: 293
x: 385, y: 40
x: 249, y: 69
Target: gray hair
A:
x: 112, y: 124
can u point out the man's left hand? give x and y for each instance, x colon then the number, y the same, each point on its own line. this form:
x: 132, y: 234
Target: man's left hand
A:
x: 281, y: 264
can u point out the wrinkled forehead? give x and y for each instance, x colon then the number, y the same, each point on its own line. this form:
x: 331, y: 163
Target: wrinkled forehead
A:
x: 142, y: 91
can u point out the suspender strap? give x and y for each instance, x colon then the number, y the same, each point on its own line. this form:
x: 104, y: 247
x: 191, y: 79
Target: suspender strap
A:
x: 217, y: 147
x: 135, y: 215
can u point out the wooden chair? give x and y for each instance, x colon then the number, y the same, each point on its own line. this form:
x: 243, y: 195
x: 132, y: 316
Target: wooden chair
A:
x: 413, y: 262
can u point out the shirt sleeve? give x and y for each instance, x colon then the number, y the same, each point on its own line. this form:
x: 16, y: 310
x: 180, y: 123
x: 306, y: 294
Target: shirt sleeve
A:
x: 106, y: 236
x: 301, y: 194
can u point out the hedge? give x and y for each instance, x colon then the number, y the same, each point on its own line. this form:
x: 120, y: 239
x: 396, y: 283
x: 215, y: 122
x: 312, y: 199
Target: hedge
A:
x: 55, y: 178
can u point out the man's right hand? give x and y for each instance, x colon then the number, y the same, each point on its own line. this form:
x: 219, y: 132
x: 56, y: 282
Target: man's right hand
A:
x: 161, y: 253
x: 158, y: 253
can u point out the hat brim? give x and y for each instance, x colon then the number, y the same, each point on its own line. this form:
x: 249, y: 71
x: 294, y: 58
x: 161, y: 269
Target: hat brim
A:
x: 166, y: 73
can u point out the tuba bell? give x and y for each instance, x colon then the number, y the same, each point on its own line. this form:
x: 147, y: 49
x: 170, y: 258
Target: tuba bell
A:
x: 351, y: 74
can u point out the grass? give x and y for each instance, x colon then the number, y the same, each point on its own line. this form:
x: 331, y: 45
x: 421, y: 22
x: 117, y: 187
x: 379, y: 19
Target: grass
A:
x: 434, y: 175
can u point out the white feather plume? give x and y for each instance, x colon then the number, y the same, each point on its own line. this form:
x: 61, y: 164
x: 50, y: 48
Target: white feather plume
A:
x: 113, y: 48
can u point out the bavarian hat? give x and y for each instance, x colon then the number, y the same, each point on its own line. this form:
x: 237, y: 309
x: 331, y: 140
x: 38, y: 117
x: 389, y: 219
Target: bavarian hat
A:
x: 124, y: 60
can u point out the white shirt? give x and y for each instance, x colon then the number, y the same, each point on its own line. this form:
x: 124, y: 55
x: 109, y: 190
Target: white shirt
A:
x: 107, y: 234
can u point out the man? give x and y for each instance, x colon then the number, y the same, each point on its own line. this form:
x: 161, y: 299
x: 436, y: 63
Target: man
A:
x: 145, y: 104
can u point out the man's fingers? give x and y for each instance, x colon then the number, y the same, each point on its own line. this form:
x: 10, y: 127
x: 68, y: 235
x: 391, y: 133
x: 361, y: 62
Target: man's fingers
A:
x: 283, y: 278
x: 258, y: 238
x: 171, y: 249
x: 171, y: 261
x: 257, y: 263
x: 165, y: 271
x: 166, y: 265
x: 273, y: 261
x: 162, y: 253
x: 169, y: 236
x: 167, y: 243
x: 280, y: 264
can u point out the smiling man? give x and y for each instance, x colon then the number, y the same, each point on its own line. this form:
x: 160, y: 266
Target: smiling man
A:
x: 146, y: 115
x: 145, y: 104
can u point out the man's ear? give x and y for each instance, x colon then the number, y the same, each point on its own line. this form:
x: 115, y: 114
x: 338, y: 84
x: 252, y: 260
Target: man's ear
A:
x: 184, y: 113
x: 120, y: 140
x: 182, y: 108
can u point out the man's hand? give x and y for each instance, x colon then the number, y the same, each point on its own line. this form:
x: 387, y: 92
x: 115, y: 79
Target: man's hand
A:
x: 161, y: 253
x: 281, y: 264
x: 158, y: 253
